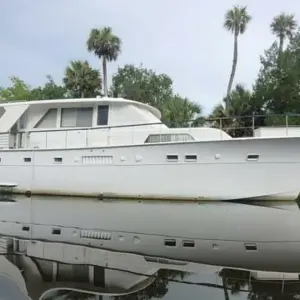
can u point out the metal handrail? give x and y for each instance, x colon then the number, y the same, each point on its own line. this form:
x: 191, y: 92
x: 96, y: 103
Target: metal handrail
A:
x: 90, y: 128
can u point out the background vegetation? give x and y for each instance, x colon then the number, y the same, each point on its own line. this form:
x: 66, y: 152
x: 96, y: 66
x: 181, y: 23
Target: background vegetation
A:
x: 275, y: 91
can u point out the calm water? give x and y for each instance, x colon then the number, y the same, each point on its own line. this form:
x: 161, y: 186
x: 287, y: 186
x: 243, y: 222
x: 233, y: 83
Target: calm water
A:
x: 36, y: 270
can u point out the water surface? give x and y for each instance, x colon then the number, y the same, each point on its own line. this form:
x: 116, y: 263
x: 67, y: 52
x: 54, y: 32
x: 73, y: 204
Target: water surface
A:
x: 28, y: 274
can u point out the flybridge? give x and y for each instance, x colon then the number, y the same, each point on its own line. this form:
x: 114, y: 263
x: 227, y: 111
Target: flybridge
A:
x: 34, y: 123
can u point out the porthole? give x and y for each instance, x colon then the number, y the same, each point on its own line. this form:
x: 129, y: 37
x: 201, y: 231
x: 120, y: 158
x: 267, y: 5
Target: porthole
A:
x: 253, y: 157
x: 172, y: 157
x: 25, y: 228
x: 251, y: 247
x: 170, y: 242
x: 56, y: 231
x: 58, y: 159
x: 188, y: 244
x: 191, y: 157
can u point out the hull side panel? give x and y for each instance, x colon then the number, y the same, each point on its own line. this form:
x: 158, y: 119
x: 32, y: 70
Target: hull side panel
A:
x: 221, y: 171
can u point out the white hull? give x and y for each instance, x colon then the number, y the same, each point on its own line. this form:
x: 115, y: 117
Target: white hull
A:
x: 221, y: 172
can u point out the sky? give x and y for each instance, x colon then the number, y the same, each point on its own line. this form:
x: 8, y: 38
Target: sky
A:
x: 182, y: 38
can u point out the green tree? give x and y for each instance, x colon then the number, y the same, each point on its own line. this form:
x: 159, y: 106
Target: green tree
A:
x: 278, y: 84
x: 181, y: 112
x: 145, y: 85
x: 105, y: 45
x: 141, y: 84
x: 81, y: 80
x: 283, y: 26
x: 18, y: 91
x: 236, y: 21
x: 50, y: 90
x: 237, y: 115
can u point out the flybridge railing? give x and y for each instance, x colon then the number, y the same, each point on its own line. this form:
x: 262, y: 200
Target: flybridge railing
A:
x: 243, y: 126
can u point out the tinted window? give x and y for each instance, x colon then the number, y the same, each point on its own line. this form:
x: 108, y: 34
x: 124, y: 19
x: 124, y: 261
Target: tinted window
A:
x: 77, y: 117
x: 84, y: 117
x: 102, y: 115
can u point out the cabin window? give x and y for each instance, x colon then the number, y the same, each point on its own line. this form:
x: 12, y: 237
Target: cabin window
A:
x: 27, y: 159
x: 58, y: 159
x: 26, y: 228
x: 56, y: 231
x: 172, y: 157
x: 188, y: 244
x: 77, y: 117
x: 48, y: 120
x: 102, y: 118
x: 164, y: 138
x: 170, y: 243
x: 191, y: 157
x: 251, y: 247
x: 253, y: 157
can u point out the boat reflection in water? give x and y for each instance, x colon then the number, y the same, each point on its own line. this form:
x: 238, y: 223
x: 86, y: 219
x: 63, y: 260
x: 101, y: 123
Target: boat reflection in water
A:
x: 44, y: 270
x: 49, y: 271
x: 84, y: 249
x: 258, y: 286
x: 219, y: 233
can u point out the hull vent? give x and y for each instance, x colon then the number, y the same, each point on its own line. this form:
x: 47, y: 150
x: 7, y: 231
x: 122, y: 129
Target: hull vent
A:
x: 98, y: 235
x: 97, y: 160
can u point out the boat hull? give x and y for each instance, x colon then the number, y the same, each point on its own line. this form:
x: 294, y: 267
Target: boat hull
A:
x: 221, y: 170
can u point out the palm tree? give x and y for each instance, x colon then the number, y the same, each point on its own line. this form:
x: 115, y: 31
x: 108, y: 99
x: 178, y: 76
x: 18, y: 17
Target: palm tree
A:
x: 283, y: 25
x: 181, y: 112
x: 235, y: 116
x: 236, y: 21
x: 81, y: 80
x: 105, y: 45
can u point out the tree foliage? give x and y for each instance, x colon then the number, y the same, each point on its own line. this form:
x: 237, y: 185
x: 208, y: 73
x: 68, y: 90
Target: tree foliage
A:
x: 82, y: 81
x: 50, y: 90
x: 18, y: 90
x: 145, y: 85
x: 236, y: 21
x: 275, y: 91
x: 283, y: 26
x: 279, y: 84
x: 104, y: 44
x: 141, y: 84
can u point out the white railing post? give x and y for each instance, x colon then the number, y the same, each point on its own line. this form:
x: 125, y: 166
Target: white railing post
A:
x: 87, y: 137
x: 66, y: 138
x: 108, y: 137
x: 253, y: 124
x: 286, y: 124
x: 132, y: 135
